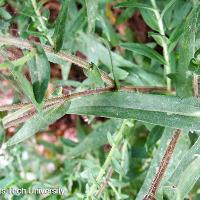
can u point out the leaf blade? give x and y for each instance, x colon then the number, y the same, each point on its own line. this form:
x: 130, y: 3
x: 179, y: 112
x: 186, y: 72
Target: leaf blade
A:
x: 38, y: 122
x: 59, y: 32
x: 92, y: 8
x: 39, y: 68
x: 156, y: 109
x: 134, y: 5
x: 144, y: 50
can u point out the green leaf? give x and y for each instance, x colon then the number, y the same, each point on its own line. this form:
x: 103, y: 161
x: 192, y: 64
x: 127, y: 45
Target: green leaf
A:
x: 187, y: 159
x: 155, y: 163
x: 159, y: 38
x: 167, y: 7
x: 187, y: 51
x: 125, y: 15
x: 59, y: 32
x: 150, y: 19
x: 96, y: 138
x: 39, y: 68
x: 19, y: 62
x: 116, y: 81
x: 92, y: 11
x: 175, y: 36
x: 194, y: 66
x: 161, y: 110
x: 110, y: 139
x: 15, y: 115
x: 134, y: 5
x: 23, y: 83
x: 95, y: 76
x: 189, y: 177
x: 144, y: 50
x: 96, y: 52
x: 38, y: 122
x: 76, y: 24
x: 153, y: 137
x: 147, y: 12
x: 180, y: 149
x: 7, y: 182
x: 108, y: 29
x: 81, y: 131
x: 65, y: 69
x: 5, y: 14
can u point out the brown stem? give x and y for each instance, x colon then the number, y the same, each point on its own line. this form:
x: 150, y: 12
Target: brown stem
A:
x: 85, y: 93
x: 27, y: 115
x: 25, y: 44
x: 50, y: 103
x: 163, y: 166
x: 196, y: 85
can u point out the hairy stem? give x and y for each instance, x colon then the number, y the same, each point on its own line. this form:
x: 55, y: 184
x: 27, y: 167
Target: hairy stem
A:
x: 163, y: 166
x: 29, y: 110
x: 196, y: 85
x: 85, y: 93
x: 25, y: 44
x: 164, y: 44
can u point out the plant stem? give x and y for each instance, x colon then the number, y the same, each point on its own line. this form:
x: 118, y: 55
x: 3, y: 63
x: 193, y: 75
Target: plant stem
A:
x: 43, y: 26
x: 25, y: 44
x: 85, y: 93
x: 117, y: 139
x: 30, y: 111
x: 105, y: 182
x: 196, y: 85
x: 164, y: 44
x: 163, y: 166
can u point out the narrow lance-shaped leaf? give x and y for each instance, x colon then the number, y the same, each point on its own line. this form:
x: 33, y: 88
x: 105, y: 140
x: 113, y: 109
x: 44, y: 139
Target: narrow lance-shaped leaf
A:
x: 156, y: 109
x: 92, y: 9
x: 144, y: 50
x: 59, y: 32
x: 148, y: 12
x: 182, y: 146
x: 187, y: 50
x: 175, y: 36
x: 76, y: 24
x: 153, y: 137
x: 39, y: 68
x: 155, y: 164
x: 38, y: 122
x: 189, y: 178
x: 23, y: 83
x: 167, y: 7
x: 159, y: 38
x: 96, y: 138
x: 188, y: 158
x: 134, y: 5
x: 150, y: 19
x: 5, y: 14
